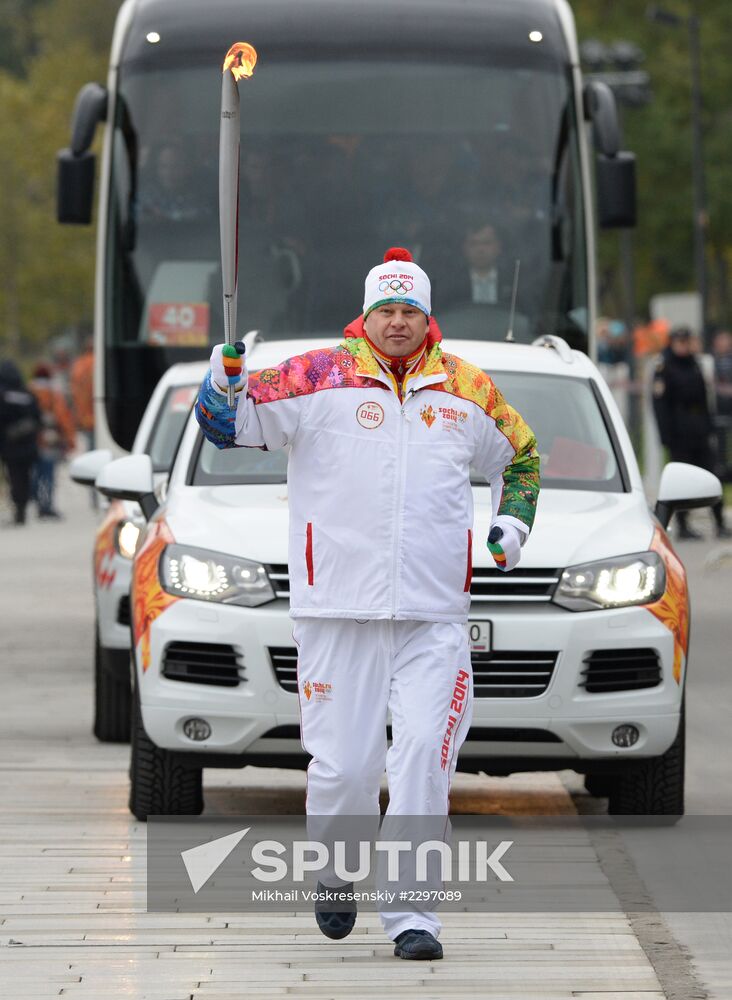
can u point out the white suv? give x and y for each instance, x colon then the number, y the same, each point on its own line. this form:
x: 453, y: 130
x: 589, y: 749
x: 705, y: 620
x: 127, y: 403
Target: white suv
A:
x: 116, y: 540
x: 579, y: 655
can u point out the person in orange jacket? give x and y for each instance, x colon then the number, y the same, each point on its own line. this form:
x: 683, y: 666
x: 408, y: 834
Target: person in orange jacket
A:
x: 82, y: 391
x: 56, y: 438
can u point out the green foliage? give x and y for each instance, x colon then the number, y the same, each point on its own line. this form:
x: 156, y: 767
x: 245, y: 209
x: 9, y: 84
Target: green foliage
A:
x: 17, y: 41
x: 46, y: 270
x: 660, y: 135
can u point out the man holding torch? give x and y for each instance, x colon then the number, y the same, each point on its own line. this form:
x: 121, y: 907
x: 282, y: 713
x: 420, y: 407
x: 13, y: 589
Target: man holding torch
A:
x: 382, y: 431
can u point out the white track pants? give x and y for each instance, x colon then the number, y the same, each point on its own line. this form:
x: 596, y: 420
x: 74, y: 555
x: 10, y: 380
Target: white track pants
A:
x: 349, y: 674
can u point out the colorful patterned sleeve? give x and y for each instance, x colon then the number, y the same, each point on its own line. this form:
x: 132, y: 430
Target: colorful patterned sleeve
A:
x: 215, y: 416
x: 506, y: 455
x: 267, y: 412
x: 521, y: 476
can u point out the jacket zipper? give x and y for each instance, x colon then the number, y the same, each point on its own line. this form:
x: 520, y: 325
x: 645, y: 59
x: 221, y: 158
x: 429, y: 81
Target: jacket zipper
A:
x: 400, y: 496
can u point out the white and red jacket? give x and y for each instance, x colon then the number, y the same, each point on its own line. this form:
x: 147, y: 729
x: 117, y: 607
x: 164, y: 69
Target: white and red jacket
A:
x: 381, y: 506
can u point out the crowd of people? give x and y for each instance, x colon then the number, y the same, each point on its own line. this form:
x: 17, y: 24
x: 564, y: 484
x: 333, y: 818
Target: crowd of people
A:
x: 42, y: 421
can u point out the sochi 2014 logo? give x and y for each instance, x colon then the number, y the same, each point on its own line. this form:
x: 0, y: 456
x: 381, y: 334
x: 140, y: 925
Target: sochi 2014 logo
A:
x: 322, y: 690
x: 428, y: 415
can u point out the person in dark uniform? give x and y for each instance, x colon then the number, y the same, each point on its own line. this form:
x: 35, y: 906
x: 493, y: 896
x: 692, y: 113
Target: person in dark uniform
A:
x: 20, y: 422
x: 684, y: 421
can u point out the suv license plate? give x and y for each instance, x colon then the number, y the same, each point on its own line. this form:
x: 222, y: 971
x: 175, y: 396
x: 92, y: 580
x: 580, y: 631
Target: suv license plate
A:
x: 479, y: 634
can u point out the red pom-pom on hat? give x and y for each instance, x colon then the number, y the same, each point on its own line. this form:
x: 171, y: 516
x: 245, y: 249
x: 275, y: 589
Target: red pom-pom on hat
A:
x: 397, y: 253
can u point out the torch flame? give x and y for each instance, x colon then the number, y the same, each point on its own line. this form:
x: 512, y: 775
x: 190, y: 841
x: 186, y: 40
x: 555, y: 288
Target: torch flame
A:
x: 241, y: 60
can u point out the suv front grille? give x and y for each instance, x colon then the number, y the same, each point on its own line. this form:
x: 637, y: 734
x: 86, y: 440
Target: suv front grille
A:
x: 510, y: 673
x: 520, y: 585
x: 620, y: 670
x: 203, y: 663
x: 284, y: 664
x: 499, y: 674
x: 279, y: 574
x: 488, y: 585
x: 490, y: 734
x: 514, y: 734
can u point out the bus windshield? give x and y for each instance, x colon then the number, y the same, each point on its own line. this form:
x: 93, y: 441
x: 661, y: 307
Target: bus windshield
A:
x: 473, y: 167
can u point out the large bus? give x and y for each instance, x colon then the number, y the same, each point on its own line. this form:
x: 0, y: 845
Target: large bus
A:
x: 460, y: 129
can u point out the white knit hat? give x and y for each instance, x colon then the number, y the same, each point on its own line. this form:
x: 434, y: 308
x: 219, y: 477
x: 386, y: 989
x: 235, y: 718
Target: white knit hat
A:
x: 398, y: 279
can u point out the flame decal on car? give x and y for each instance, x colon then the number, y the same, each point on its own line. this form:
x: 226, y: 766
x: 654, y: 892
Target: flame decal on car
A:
x: 672, y: 609
x: 104, y: 548
x: 149, y: 600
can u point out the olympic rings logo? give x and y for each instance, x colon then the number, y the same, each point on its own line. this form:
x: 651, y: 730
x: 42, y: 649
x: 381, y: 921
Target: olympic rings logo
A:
x: 396, y: 287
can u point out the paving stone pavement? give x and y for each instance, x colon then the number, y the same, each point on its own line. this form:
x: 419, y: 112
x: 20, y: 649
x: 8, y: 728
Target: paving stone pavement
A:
x: 72, y: 859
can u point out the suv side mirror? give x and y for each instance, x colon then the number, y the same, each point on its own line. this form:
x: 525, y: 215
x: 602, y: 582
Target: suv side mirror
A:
x: 130, y: 478
x: 75, y: 166
x: 85, y: 468
x: 684, y: 487
x: 615, y: 168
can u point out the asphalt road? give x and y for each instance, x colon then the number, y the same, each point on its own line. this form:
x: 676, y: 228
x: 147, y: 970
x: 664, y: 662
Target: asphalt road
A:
x: 46, y: 615
x: 709, y: 681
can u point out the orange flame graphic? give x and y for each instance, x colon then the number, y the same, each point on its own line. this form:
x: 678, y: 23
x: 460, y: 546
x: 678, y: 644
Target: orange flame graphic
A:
x: 104, y: 550
x: 672, y: 609
x: 149, y: 600
x: 241, y: 60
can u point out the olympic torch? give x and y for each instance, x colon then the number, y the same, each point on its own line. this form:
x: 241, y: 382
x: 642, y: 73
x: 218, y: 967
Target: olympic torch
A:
x: 239, y: 63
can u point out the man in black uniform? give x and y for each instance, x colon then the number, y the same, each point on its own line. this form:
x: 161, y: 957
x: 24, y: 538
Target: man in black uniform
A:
x: 682, y: 412
x: 20, y: 422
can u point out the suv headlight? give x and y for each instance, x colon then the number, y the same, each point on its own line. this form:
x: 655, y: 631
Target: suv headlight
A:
x: 126, y: 537
x: 612, y: 583
x: 214, y: 576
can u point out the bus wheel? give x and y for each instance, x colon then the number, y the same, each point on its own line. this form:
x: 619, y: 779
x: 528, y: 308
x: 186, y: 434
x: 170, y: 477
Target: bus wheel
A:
x: 112, y: 694
x: 653, y: 787
x: 159, y: 784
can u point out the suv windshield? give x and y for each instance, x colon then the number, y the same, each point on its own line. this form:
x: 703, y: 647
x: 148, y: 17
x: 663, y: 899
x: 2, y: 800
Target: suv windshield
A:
x: 169, y: 424
x: 577, y: 450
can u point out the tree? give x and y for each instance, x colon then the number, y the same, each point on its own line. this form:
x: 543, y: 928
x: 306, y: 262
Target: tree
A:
x: 660, y: 135
x: 46, y: 270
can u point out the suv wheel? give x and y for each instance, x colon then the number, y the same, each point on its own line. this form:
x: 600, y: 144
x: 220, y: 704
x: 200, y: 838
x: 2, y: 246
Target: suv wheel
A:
x: 600, y: 786
x: 653, y: 787
x: 159, y: 784
x: 112, y: 694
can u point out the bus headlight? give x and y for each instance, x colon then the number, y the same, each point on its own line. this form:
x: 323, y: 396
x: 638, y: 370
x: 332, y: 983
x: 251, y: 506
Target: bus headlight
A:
x: 612, y: 583
x: 214, y: 576
x: 126, y: 538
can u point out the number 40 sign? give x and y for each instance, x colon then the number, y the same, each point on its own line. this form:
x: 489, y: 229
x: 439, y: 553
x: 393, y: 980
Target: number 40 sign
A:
x: 178, y: 324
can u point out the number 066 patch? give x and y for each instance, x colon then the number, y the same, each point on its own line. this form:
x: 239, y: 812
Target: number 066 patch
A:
x: 370, y: 415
